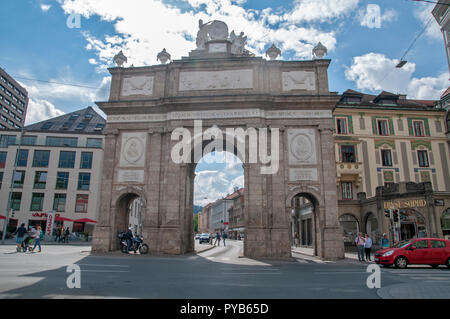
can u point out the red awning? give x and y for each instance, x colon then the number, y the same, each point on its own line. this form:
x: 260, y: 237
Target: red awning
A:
x: 86, y: 220
x: 2, y: 217
x: 63, y: 219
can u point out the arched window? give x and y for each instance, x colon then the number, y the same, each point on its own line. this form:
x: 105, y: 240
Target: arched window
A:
x: 350, y: 228
x: 445, y: 222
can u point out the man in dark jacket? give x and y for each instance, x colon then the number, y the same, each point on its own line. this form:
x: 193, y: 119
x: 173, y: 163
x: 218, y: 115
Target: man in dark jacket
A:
x: 21, y: 231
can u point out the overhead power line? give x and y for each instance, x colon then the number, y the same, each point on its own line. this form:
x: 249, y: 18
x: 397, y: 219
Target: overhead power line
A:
x: 427, y: 1
x: 60, y: 83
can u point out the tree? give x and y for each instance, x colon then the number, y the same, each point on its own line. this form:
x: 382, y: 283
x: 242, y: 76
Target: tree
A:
x: 195, y: 223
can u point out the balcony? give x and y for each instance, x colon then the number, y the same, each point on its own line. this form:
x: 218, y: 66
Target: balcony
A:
x: 349, y: 172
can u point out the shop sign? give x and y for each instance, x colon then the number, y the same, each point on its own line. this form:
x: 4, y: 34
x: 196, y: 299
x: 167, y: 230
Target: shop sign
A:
x: 413, y: 203
x: 50, y: 221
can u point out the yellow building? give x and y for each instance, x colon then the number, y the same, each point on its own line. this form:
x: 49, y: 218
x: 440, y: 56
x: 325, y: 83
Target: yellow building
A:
x: 391, y: 152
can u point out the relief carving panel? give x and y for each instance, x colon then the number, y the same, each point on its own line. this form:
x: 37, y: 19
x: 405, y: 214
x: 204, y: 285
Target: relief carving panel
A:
x: 138, y: 85
x: 216, y: 80
x: 133, y: 150
x: 299, y: 80
x: 302, y: 146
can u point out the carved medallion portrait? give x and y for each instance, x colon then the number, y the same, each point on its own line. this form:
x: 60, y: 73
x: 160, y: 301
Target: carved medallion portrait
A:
x: 133, y: 150
x: 302, y: 147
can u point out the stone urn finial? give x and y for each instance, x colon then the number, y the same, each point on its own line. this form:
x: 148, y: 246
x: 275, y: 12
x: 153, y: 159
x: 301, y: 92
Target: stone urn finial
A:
x: 319, y: 51
x: 120, y: 59
x: 163, y: 56
x: 273, y: 52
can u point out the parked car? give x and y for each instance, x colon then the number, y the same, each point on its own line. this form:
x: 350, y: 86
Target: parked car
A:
x: 418, y: 251
x: 197, y: 236
x: 204, y: 238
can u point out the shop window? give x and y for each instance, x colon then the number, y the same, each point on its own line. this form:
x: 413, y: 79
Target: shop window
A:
x: 423, y: 158
x: 347, y: 190
x: 445, y: 222
x: 350, y: 228
x: 348, y: 153
x: 78, y: 227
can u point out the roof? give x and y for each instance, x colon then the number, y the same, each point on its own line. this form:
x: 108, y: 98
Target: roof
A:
x: 83, y: 121
x: 447, y: 92
x: 236, y: 194
x: 373, y: 101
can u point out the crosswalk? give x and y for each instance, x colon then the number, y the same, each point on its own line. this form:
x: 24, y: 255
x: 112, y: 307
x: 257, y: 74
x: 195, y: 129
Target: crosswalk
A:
x: 423, y: 275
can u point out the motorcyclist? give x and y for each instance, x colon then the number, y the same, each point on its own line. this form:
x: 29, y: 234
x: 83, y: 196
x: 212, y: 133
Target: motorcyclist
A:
x: 129, y: 237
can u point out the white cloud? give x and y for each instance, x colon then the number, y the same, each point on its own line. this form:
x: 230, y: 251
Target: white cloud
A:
x: 376, y: 72
x: 41, y: 110
x: 372, y: 17
x: 141, y: 44
x: 423, y: 13
x: 45, y: 7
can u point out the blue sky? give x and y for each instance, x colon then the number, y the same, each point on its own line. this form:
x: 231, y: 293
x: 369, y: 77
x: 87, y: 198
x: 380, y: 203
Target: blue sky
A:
x: 38, y: 43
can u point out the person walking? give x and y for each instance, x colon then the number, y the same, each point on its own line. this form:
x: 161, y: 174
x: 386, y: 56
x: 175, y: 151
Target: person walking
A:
x: 296, y: 239
x: 21, y: 231
x: 384, y: 242
x: 37, y: 237
x: 63, y: 236
x: 224, y: 236
x: 57, y: 234
x: 217, y: 239
x: 368, y: 247
x: 359, y: 242
x: 66, y: 235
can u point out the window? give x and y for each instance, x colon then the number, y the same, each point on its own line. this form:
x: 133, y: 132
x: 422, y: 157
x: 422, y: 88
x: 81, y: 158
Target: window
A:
x: 73, y: 117
x: 347, y: 190
x: 423, y: 158
x: 22, y: 158
x: 67, y: 159
x: 40, y: 180
x: 37, y: 202
x: 418, y: 128
x: 99, y: 127
x: 437, y: 244
x: 47, y: 126
x: 81, y: 205
x: 1, y: 179
x: 3, y: 156
x: 421, y: 244
x: 86, y: 160
x: 62, y: 180
x: 386, y: 157
x: 59, y: 203
x: 6, y: 140
x: 341, y: 126
x: 81, y: 126
x: 16, y: 199
x: 84, y: 181
x: 94, y: 142
x: 62, y: 141
x: 88, y: 117
x: 383, y: 127
x: 18, y: 179
x: 29, y: 140
x: 41, y: 158
x: 348, y: 153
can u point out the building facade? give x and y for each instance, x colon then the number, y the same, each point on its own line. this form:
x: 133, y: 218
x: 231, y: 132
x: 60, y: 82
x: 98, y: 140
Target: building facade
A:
x: 391, y: 153
x: 13, y: 102
x: 55, y: 165
x: 441, y: 13
x: 236, y: 214
x: 204, y: 219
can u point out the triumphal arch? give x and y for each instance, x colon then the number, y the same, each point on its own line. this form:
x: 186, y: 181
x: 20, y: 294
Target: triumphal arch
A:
x: 275, y: 115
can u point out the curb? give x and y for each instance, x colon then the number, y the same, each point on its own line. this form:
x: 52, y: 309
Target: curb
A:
x: 205, y: 250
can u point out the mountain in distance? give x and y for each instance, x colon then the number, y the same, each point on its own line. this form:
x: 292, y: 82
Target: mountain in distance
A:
x: 197, y: 209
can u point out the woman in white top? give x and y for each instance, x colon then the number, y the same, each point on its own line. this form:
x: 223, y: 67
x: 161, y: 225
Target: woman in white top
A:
x: 368, y: 247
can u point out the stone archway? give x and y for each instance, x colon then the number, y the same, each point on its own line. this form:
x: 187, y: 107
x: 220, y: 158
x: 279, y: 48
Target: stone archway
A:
x: 282, y: 108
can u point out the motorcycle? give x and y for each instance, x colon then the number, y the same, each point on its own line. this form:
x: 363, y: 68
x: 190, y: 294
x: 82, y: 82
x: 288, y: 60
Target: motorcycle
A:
x: 137, y: 243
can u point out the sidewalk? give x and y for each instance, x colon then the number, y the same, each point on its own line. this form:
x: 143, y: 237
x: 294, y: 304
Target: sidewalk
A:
x: 349, y: 256
x: 53, y: 243
x: 200, y: 248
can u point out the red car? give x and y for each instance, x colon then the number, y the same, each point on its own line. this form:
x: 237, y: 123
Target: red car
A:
x: 417, y: 251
